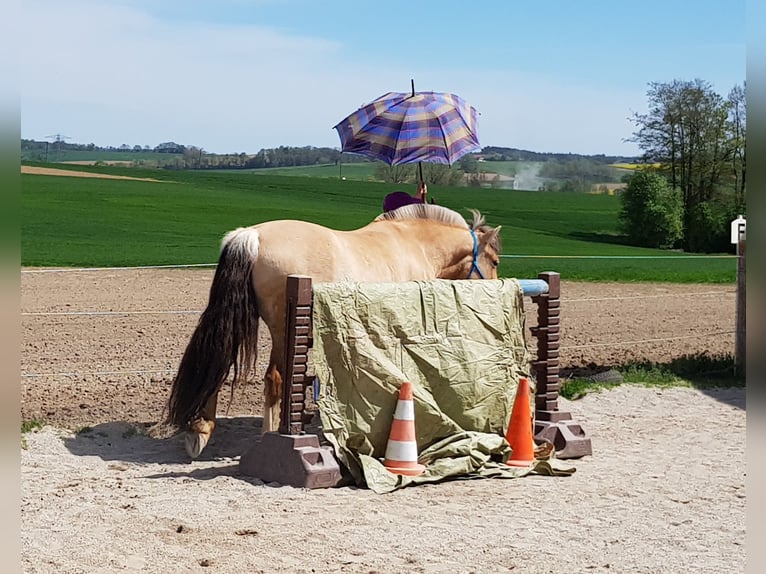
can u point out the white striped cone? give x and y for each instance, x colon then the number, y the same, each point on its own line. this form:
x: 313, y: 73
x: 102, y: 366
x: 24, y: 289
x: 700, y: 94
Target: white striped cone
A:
x: 402, y: 447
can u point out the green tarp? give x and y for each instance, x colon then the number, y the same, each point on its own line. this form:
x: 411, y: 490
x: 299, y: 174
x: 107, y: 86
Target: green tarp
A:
x: 460, y: 343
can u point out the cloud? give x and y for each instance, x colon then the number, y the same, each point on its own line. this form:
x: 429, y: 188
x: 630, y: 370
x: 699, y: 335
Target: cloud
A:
x: 165, y: 80
x: 112, y: 74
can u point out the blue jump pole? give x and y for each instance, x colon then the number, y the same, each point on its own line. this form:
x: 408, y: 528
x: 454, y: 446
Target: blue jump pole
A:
x: 533, y: 287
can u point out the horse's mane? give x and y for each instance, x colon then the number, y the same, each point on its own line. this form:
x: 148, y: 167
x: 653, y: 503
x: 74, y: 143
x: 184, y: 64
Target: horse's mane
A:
x: 442, y: 214
x: 424, y: 211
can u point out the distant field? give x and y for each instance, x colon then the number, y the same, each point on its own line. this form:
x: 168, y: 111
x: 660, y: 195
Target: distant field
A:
x: 526, y: 172
x: 635, y: 166
x: 509, y: 168
x: 88, y: 222
x: 94, y: 156
x: 353, y: 171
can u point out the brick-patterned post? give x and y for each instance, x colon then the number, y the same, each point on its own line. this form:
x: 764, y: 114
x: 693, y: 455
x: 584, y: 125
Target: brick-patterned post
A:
x: 291, y: 456
x: 546, y: 367
x: 297, y: 344
x: 551, y: 424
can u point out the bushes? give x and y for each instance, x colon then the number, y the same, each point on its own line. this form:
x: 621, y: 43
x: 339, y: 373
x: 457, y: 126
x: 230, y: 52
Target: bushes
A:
x: 708, y: 228
x: 651, y: 214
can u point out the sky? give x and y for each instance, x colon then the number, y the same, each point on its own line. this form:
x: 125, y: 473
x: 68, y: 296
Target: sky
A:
x: 235, y: 76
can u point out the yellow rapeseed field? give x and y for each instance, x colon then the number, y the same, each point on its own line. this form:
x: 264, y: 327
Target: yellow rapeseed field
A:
x: 635, y: 166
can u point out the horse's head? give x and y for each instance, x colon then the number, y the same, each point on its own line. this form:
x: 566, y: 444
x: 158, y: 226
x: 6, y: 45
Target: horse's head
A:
x: 465, y: 250
x: 486, y: 248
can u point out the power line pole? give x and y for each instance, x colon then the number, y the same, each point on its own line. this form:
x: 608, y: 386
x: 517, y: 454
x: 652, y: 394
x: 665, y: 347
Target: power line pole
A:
x: 58, y: 139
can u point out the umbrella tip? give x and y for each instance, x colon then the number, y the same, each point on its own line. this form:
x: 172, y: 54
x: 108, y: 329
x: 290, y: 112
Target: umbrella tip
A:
x: 412, y: 82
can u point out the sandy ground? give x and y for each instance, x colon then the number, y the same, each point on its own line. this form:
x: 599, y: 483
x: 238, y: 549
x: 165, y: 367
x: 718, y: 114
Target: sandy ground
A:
x: 663, y: 491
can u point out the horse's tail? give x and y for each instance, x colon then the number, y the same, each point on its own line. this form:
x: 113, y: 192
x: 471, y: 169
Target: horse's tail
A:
x: 227, y: 333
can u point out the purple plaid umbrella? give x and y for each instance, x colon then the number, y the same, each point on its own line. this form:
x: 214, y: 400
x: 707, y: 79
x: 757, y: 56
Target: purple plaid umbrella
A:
x: 399, y: 128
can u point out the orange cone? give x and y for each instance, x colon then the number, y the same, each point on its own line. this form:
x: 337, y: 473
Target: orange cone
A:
x: 402, y: 447
x: 519, y: 434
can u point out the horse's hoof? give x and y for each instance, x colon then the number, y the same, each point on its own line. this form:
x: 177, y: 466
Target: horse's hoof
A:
x: 195, y: 443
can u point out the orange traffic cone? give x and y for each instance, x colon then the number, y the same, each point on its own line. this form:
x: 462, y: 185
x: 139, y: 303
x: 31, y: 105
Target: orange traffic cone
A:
x: 402, y: 447
x: 519, y: 434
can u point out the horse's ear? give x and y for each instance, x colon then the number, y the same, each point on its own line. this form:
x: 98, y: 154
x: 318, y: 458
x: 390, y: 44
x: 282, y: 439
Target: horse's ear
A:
x: 492, y: 238
x: 492, y: 235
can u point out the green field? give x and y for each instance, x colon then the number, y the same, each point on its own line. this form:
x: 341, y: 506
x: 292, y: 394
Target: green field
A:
x: 96, y: 222
x: 366, y: 171
x: 357, y: 171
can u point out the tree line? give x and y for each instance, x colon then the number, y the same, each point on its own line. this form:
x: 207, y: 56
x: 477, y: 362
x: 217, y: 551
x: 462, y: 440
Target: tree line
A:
x: 494, y: 153
x: 694, y: 183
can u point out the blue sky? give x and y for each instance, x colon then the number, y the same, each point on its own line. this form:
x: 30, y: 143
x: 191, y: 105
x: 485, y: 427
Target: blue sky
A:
x: 241, y: 75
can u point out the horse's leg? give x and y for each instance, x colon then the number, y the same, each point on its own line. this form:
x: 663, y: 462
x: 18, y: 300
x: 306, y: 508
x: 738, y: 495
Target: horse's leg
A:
x: 272, y: 383
x: 201, y: 428
x: 272, y: 395
x: 273, y: 313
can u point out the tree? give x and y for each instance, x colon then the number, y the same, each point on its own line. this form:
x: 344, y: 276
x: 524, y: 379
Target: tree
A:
x: 433, y: 173
x: 688, y: 131
x: 441, y: 174
x: 470, y: 168
x: 709, y: 231
x: 394, y: 173
x: 468, y: 163
x: 651, y: 211
x: 737, y: 121
x: 193, y: 157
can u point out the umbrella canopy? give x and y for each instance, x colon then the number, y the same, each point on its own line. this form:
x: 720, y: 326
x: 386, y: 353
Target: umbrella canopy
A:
x: 399, y: 128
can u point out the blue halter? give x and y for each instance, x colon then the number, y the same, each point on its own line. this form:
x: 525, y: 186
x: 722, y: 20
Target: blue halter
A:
x: 475, y: 263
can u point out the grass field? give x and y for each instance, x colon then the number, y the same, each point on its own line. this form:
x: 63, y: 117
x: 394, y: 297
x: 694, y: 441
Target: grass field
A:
x: 357, y: 171
x: 89, y: 222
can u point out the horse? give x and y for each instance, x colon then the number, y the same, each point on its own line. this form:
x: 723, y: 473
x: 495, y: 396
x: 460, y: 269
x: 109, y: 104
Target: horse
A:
x: 414, y: 242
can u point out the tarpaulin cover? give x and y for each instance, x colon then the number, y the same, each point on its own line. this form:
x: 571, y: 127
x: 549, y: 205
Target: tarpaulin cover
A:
x: 462, y: 346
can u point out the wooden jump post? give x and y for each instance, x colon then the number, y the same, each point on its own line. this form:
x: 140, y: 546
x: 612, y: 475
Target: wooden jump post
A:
x: 738, y: 238
x: 299, y: 339
x: 290, y: 456
x: 551, y: 423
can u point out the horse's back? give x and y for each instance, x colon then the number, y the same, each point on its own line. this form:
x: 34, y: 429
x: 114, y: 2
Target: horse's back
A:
x: 292, y: 247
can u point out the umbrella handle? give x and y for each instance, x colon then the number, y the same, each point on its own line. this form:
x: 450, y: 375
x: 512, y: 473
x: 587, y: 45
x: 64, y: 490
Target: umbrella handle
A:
x: 420, y: 171
x: 422, y: 191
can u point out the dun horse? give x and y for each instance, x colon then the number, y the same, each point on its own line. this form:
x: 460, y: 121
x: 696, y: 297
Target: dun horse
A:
x: 415, y: 242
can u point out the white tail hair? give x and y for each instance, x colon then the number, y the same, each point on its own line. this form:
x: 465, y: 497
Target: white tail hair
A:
x: 242, y: 239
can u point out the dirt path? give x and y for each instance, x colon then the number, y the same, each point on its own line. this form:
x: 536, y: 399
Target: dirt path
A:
x: 115, y: 357
x: 35, y: 170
